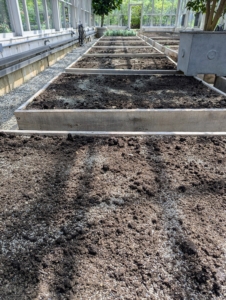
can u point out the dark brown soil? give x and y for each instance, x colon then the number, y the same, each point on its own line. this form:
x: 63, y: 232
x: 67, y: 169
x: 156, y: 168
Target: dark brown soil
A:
x: 112, y: 218
x: 105, y: 92
x: 123, y: 43
x: 125, y: 63
x: 173, y: 47
x: 120, y: 39
x: 167, y: 43
x: 123, y: 50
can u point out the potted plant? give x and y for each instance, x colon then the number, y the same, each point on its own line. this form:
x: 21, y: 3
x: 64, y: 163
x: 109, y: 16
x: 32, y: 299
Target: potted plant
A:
x: 102, y: 8
x: 204, y: 52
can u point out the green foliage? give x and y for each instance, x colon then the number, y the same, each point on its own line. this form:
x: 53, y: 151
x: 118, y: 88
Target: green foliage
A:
x: 213, y: 9
x: 120, y: 33
x: 197, y: 6
x: 4, y: 18
x: 104, y: 7
x: 135, y: 16
x: 4, y: 28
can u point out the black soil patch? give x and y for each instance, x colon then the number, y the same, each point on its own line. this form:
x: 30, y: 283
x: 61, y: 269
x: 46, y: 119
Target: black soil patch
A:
x: 125, y: 63
x: 123, y: 50
x: 106, y: 92
x: 112, y: 218
x: 122, y: 43
x: 168, y: 42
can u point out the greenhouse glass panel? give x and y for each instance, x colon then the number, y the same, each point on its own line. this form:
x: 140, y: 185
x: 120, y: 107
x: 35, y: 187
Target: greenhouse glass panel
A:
x: 50, y: 13
x: 5, y: 26
x: 61, y: 7
x: 158, y: 4
x: 114, y: 20
x: 67, y: 12
x: 124, y: 7
x: 148, y: 7
x: 173, y: 21
x: 168, y: 7
x: 97, y: 20
x: 156, y: 20
x: 166, y: 20
x: 22, y: 15
x: 123, y: 20
x: 32, y: 14
x: 41, y: 14
x: 146, y: 20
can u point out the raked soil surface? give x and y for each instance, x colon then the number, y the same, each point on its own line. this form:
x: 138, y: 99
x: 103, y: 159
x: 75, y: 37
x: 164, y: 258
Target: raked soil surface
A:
x: 113, y: 218
x: 123, y: 50
x: 167, y: 42
x: 106, y: 92
x: 120, y: 39
x: 125, y: 63
x: 122, y: 43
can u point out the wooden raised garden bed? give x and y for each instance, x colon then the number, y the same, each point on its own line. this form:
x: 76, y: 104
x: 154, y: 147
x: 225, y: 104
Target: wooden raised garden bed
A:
x: 126, y: 103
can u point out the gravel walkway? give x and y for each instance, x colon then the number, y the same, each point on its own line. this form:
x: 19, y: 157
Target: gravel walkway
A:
x: 11, y: 101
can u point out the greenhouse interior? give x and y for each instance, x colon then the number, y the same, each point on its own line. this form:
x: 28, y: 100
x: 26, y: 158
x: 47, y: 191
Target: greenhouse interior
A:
x: 113, y: 149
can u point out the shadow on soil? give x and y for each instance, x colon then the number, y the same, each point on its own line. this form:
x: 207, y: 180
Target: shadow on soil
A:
x: 49, y: 237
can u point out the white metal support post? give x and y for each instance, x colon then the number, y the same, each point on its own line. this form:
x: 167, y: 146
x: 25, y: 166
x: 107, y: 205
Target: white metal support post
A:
x: 15, y: 18
x: 37, y: 15
x: 26, y: 16
x: 177, y: 14
x: 46, y: 13
x: 56, y: 17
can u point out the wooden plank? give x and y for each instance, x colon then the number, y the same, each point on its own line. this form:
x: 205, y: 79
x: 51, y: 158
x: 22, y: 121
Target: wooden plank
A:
x: 109, y: 133
x: 133, y: 55
x: 119, y: 72
x: 130, y: 120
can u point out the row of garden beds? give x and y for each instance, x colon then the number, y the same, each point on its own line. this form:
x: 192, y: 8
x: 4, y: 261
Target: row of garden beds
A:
x: 112, y: 218
x: 128, y: 103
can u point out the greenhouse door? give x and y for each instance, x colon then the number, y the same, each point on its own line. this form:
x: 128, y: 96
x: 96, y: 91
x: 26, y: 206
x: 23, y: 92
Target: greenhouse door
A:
x: 135, y: 16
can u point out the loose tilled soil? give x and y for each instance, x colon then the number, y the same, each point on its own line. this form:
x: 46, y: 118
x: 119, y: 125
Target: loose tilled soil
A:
x: 115, y: 39
x: 112, y: 218
x: 125, y: 63
x: 105, y: 92
x: 123, y: 50
x: 163, y: 38
x: 167, y: 43
x: 123, y: 43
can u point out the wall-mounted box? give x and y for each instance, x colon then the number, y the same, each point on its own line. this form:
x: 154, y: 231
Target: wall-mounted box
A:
x: 202, y: 52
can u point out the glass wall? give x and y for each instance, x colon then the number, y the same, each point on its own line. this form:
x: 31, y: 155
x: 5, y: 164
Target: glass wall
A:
x: 5, y: 26
x: 32, y: 15
x: 29, y: 17
x: 154, y: 13
x: 65, y: 14
x: 42, y: 14
x: 49, y: 13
